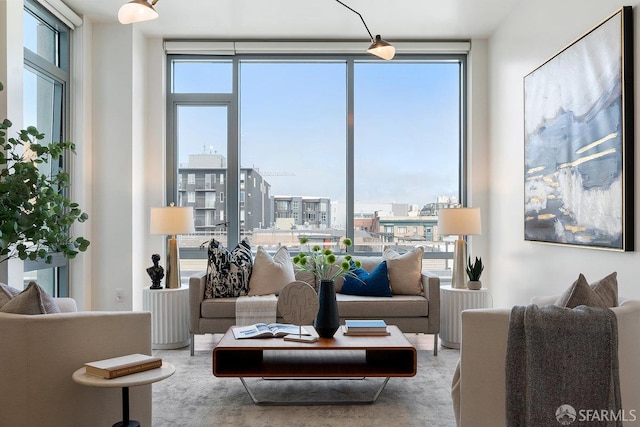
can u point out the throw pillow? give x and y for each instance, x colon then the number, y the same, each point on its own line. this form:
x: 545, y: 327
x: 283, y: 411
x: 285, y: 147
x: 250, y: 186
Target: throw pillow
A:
x: 405, y: 271
x: 607, y: 289
x: 271, y: 274
x: 6, y: 293
x: 374, y: 284
x: 580, y: 293
x: 33, y: 300
x: 228, y: 272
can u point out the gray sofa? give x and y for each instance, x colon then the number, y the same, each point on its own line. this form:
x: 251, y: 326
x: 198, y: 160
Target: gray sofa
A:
x: 411, y: 313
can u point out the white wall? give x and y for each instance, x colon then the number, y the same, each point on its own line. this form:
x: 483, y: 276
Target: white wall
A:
x: 535, y: 31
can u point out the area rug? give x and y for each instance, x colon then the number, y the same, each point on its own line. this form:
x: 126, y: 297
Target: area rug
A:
x: 193, y: 397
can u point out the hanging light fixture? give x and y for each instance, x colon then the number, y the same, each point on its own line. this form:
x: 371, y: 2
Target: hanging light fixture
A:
x: 137, y: 11
x: 378, y: 46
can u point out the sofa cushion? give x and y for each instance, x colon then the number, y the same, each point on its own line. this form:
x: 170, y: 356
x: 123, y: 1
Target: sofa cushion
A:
x: 33, y: 300
x: 271, y: 274
x: 405, y: 271
x: 375, y: 284
x: 214, y: 308
x: 366, y: 307
x: 580, y: 293
x: 228, y: 271
x: 7, y: 293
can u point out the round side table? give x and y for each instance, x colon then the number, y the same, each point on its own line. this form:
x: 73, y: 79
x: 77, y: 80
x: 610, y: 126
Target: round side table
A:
x: 140, y: 378
x: 452, y: 302
x: 169, y: 317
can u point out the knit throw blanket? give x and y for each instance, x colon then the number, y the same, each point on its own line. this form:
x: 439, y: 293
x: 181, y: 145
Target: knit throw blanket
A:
x: 256, y: 309
x: 561, y: 365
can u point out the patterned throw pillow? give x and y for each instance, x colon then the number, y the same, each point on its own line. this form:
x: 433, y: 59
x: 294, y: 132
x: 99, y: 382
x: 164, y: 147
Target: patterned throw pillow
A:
x: 228, y: 272
x: 7, y: 293
x: 33, y: 300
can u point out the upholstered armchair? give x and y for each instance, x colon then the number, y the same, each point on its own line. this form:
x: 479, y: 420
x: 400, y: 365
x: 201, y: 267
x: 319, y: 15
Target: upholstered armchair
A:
x: 480, y: 398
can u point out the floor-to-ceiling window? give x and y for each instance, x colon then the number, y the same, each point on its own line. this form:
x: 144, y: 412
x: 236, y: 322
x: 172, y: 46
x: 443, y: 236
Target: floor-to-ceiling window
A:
x: 325, y: 147
x: 46, y: 76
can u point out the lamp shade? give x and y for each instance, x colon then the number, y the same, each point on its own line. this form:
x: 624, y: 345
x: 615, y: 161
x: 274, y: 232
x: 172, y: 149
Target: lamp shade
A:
x: 172, y: 220
x: 382, y: 49
x: 459, y: 221
x: 136, y: 11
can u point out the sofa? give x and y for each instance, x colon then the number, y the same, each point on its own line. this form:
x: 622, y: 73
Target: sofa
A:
x: 482, y: 363
x: 411, y: 313
x: 39, y: 353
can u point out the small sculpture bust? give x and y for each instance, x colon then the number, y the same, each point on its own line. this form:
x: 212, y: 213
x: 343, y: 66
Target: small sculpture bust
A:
x: 155, y: 272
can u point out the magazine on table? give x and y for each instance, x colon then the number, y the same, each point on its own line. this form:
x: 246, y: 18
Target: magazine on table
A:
x: 272, y: 330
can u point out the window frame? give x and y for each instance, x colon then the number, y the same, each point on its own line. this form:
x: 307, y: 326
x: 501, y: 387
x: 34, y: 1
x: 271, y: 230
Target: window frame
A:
x: 233, y: 143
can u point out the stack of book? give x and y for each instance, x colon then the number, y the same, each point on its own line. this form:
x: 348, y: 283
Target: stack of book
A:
x: 365, y: 327
x: 123, y: 365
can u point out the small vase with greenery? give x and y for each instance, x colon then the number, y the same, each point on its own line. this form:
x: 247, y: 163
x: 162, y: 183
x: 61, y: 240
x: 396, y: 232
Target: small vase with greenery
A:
x: 474, y: 271
x: 35, y: 214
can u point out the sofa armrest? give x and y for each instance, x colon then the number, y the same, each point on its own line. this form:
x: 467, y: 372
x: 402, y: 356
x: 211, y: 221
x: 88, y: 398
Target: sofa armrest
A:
x: 66, y: 305
x: 483, y: 352
x: 431, y: 286
x: 196, y: 296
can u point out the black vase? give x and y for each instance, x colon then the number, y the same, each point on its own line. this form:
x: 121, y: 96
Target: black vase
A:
x: 327, y: 321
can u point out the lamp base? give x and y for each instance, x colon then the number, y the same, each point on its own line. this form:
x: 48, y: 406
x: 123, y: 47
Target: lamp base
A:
x: 173, y: 264
x: 459, y: 263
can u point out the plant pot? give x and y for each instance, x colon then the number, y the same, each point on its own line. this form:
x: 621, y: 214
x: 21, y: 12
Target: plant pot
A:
x: 327, y: 321
x: 474, y: 285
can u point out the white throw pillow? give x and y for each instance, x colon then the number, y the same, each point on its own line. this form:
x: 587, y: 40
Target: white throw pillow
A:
x: 405, y: 271
x: 271, y: 274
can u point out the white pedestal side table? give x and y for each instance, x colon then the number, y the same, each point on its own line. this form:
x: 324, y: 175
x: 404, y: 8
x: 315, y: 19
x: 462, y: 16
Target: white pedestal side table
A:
x: 140, y: 378
x: 452, y: 302
x: 169, y: 317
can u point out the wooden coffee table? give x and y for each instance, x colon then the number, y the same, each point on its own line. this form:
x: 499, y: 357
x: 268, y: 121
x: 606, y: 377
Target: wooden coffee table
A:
x: 342, y: 357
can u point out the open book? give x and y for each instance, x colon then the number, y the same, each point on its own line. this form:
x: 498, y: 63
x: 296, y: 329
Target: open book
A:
x: 272, y: 330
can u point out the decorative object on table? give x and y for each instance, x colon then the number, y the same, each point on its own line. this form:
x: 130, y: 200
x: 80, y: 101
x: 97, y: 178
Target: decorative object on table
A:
x: 122, y: 365
x: 155, y: 272
x: 172, y: 221
x: 579, y: 140
x: 474, y: 271
x: 322, y: 263
x: 459, y: 222
x: 298, y: 304
x: 33, y: 192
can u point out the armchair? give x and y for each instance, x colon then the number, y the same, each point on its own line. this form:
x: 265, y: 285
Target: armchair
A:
x: 482, y: 363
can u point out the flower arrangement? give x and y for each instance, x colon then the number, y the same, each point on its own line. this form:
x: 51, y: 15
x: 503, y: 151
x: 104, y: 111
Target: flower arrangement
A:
x: 321, y: 262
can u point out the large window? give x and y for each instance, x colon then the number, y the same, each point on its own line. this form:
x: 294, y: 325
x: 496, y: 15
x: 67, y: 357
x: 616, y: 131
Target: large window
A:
x: 331, y: 147
x: 46, y: 74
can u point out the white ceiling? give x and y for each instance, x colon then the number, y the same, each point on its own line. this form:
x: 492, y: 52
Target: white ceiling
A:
x: 312, y: 19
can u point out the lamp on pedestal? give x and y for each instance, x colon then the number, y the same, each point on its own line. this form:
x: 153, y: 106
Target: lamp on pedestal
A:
x: 459, y: 222
x: 172, y: 221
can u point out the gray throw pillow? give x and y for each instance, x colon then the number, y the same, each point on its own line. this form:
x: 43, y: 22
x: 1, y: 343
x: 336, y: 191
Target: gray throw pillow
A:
x: 7, y: 293
x: 33, y: 300
x: 580, y: 293
x: 607, y: 289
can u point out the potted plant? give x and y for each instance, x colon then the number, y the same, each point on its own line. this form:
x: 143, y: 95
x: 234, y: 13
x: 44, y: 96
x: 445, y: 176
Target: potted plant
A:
x: 35, y: 214
x: 322, y: 264
x: 474, y: 271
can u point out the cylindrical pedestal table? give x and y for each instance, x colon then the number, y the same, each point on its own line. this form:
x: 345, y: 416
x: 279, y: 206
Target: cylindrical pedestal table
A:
x: 169, y: 317
x: 452, y: 302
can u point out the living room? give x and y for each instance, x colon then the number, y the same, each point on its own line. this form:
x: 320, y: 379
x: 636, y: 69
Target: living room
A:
x: 118, y: 123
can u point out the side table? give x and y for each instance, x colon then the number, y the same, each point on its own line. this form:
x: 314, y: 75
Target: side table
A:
x: 140, y: 378
x: 169, y: 317
x: 452, y: 302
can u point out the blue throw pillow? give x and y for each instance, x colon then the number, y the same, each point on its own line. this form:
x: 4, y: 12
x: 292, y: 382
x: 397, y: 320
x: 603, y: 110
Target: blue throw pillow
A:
x: 376, y: 283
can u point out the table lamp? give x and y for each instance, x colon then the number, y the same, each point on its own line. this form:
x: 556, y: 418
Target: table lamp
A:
x: 460, y: 222
x: 172, y: 221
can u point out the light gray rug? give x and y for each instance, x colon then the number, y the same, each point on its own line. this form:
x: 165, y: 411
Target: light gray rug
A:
x: 193, y: 397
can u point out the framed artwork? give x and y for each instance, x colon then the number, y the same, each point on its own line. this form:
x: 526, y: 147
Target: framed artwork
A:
x: 578, y: 136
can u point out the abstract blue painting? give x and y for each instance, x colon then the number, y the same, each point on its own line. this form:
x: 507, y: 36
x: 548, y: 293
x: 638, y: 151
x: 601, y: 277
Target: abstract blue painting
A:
x: 578, y: 118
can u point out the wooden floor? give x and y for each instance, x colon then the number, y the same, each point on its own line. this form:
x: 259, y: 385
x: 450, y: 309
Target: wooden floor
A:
x: 209, y: 341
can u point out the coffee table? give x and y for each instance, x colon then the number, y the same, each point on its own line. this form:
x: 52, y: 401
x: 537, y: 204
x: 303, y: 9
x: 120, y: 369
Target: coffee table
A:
x: 342, y: 357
